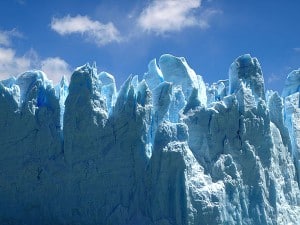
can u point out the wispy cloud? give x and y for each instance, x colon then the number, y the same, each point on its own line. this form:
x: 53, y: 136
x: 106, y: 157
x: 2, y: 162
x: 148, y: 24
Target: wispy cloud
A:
x: 6, y: 36
x: 21, y: 2
x: 206, y: 16
x: 296, y: 49
x: 273, y: 78
x: 91, y: 30
x: 162, y: 16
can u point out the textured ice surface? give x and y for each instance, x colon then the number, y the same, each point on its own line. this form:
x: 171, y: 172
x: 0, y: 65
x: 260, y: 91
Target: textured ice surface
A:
x: 108, y: 88
x: 177, y: 71
x: 245, y: 71
x: 292, y: 83
x: 154, y: 75
x: 61, y: 92
x: 161, y: 151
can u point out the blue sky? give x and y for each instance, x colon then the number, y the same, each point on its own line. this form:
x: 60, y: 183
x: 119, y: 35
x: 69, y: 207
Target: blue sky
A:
x: 123, y: 36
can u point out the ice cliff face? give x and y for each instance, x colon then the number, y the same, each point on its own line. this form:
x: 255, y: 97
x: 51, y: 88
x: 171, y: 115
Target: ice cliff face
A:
x: 168, y: 149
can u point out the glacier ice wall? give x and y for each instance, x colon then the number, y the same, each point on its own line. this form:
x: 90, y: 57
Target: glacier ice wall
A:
x: 168, y: 149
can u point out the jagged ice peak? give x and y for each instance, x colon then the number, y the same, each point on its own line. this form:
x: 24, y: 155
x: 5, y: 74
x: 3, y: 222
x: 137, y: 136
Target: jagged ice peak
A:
x: 162, y: 150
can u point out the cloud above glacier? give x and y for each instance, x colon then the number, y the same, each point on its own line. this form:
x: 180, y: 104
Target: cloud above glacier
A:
x: 12, y: 63
x: 92, y: 30
x: 55, y: 68
x: 163, y: 16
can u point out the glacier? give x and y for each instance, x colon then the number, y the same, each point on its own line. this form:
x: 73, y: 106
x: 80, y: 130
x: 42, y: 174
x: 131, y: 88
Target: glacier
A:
x: 167, y: 149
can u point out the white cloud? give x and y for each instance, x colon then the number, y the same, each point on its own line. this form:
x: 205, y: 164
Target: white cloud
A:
x: 91, y: 30
x: 12, y: 65
x: 55, y: 68
x: 162, y: 16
